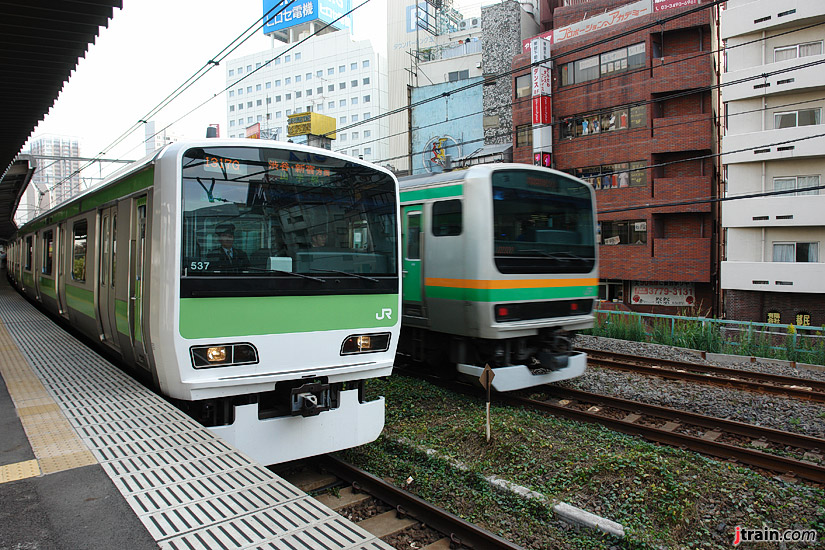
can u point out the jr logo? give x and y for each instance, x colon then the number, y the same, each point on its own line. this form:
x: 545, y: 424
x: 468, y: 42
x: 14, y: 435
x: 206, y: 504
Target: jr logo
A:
x: 386, y: 313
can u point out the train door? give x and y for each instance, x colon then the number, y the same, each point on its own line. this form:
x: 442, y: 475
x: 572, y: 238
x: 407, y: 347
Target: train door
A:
x: 137, y: 271
x: 62, y: 243
x: 106, y: 275
x: 411, y: 266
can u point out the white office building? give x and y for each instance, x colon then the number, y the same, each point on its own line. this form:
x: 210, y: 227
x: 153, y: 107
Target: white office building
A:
x: 330, y: 74
x: 773, y: 90
x: 57, y: 176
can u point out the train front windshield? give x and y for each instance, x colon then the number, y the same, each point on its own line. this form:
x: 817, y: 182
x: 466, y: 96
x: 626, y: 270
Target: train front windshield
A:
x: 286, y: 222
x: 542, y: 223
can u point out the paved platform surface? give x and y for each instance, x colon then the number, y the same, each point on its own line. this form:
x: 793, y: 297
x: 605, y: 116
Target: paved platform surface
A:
x: 90, y: 459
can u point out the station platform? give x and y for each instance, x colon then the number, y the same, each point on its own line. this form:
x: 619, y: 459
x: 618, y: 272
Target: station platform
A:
x: 90, y: 458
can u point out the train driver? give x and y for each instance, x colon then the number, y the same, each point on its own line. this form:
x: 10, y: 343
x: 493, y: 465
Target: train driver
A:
x: 227, y: 256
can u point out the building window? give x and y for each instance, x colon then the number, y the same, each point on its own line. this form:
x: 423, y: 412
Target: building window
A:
x: 257, y: 65
x: 258, y: 102
x: 342, y: 120
x: 614, y: 176
x: 524, y: 135
x: 331, y: 87
x: 277, y: 83
x: 231, y: 93
x: 277, y: 60
x: 354, y: 101
x: 355, y: 152
x: 257, y: 87
x: 309, y: 92
x: 365, y: 81
x: 796, y: 252
x: 297, y: 78
x: 240, y: 91
x: 366, y: 115
x: 288, y: 97
x: 240, y: 106
x: 342, y: 137
x: 249, y: 120
x: 802, y: 117
x: 298, y: 94
x: 366, y: 99
x: 248, y: 104
x: 269, y: 101
x: 331, y: 105
x: 277, y: 114
x: 354, y: 118
x: 455, y: 76
x: 342, y: 102
x: 269, y: 85
x: 330, y: 71
x: 231, y: 72
x: 800, y: 183
x: 249, y: 89
x: 798, y: 50
x: 367, y: 150
x: 342, y: 85
x: 240, y: 70
x: 365, y: 64
x: 353, y: 83
x: 367, y: 133
x: 249, y: 68
x: 319, y: 90
x: 319, y: 74
x: 308, y: 76
x: 342, y: 68
x: 259, y: 118
x: 288, y: 81
x: 288, y: 112
x: 606, y: 64
x: 287, y: 58
x: 231, y: 123
x: 617, y: 118
x: 297, y: 56
x: 231, y: 108
x: 622, y: 232
x: 524, y: 87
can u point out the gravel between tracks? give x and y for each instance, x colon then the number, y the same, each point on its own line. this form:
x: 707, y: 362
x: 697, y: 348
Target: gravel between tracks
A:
x: 765, y: 410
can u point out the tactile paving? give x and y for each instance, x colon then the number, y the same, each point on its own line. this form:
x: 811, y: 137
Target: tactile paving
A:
x: 189, y: 488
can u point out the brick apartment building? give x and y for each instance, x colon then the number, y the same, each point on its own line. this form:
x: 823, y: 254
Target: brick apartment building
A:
x: 632, y: 114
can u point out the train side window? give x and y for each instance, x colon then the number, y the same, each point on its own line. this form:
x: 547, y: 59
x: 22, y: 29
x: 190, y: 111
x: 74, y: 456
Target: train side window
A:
x: 447, y: 218
x: 29, y: 244
x: 48, y: 251
x: 414, y: 236
x: 80, y: 235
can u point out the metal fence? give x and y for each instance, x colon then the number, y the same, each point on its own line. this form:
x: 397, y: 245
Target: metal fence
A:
x: 789, y: 342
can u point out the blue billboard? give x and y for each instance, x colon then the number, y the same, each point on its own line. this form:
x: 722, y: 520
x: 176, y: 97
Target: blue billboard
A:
x: 283, y: 14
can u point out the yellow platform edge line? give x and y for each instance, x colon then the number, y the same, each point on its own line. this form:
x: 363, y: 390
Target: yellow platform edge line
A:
x: 54, y: 442
x: 19, y: 470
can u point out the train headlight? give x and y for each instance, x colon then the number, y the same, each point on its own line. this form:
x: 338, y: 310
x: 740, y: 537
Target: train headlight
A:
x: 223, y: 355
x: 216, y: 354
x: 366, y: 343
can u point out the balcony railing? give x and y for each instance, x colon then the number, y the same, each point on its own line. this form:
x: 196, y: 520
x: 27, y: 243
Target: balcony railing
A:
x: 773, y: 276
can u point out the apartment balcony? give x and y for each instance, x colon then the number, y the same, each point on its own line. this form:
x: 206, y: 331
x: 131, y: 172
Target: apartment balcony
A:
x: 775, y: 211
x: 773, y: 276
x: 742, y: 17
x: 757, y: 146
x: 683, y: 133
x: 667, y: 190
x: 681, y: 72
x: 748, y: 83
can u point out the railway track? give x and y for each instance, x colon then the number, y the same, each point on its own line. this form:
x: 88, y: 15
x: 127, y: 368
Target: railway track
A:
x: 774, y: 450
x: 399, y: 518
x: 788, y: 386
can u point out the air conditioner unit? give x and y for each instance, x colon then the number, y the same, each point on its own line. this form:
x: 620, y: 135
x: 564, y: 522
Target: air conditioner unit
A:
x: 462, y: 25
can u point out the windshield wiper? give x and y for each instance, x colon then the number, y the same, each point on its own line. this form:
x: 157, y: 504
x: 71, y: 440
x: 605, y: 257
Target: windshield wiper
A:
x: 286, y: 273
x: 374, y: 280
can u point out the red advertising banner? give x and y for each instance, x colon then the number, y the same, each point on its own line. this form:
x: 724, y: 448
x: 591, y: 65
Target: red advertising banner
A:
x: 541, y: 109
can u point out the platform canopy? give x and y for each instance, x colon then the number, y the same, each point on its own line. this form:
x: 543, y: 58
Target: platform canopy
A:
x: 41, y: 42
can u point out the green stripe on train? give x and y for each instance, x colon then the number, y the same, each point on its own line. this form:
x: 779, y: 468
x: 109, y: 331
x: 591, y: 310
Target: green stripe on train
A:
x: 510, y: 294
x: 81, y: 300
x: 432, y: 193
x: 47, y: 287
x: 122, y: 317
x: 235, y: 317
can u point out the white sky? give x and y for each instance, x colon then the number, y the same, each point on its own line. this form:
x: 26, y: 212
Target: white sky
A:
x: 151, y: 47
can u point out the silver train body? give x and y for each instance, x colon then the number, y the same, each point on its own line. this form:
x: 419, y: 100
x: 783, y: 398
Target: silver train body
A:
x: 499, y: 267
x: 268, y: 348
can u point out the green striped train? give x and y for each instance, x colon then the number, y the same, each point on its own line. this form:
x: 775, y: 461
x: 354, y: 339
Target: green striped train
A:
x: 499, y: 268
x: 255, y: 285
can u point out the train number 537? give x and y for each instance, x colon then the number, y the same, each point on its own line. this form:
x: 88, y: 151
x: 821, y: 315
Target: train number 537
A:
x: 199, y: 266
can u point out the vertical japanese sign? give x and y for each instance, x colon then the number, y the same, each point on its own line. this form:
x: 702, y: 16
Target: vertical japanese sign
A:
x: 542, y: 90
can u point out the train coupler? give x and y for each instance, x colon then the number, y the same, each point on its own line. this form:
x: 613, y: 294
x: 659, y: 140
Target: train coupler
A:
x: 310, y: 399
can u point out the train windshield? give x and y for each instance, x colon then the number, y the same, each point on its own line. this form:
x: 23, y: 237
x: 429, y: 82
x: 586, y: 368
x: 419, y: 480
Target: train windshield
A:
x: 542, y: 223
x: 279, y: 221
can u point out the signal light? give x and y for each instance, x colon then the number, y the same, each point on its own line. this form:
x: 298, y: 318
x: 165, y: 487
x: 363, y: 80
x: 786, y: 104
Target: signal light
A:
x: 574, y: 306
